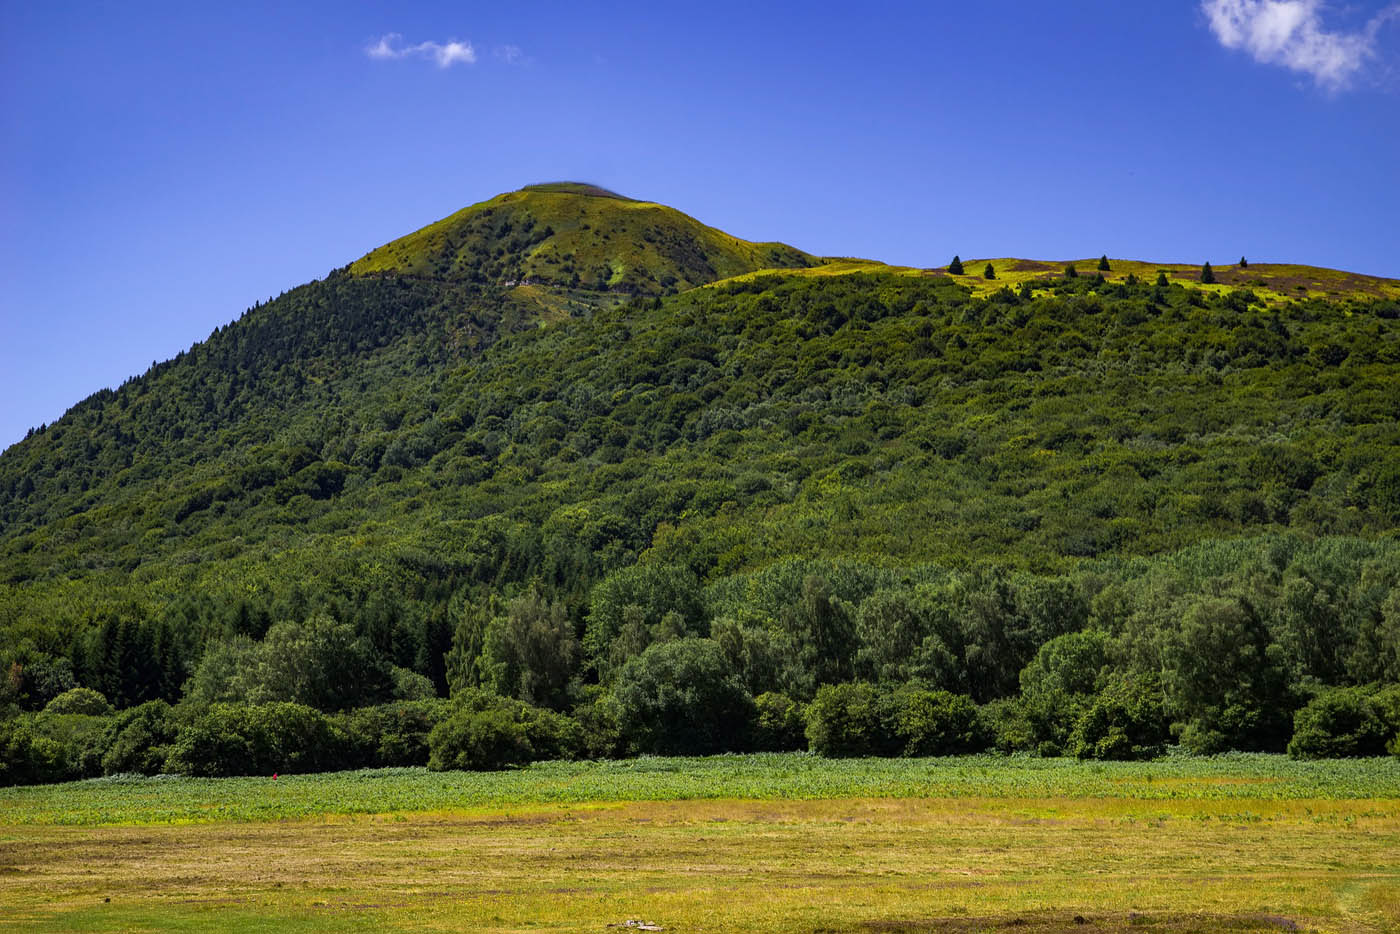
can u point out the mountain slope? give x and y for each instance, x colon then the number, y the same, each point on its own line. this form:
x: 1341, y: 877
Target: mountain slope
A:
x: 400, y: 451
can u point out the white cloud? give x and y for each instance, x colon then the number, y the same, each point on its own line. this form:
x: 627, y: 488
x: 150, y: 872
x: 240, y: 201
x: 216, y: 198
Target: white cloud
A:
x: 510, y: 54
x: 1291, y: 33
x: 445, y: 54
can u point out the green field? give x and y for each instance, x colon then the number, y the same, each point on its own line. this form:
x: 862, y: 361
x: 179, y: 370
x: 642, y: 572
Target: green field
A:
x: 730, y: 843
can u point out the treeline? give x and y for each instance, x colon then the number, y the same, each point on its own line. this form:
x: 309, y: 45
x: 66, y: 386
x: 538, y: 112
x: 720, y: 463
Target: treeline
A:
x: 1265, y: 644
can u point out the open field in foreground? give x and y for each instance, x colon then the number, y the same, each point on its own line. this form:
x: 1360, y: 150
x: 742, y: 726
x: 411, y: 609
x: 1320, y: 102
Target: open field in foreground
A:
x: 1247, y: 843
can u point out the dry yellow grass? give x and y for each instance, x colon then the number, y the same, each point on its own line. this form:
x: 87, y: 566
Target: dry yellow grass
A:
x: 772, y: 866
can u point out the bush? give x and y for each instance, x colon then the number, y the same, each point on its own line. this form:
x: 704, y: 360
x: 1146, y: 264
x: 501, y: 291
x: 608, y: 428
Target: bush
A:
x: 1059, y: 683
x: 28, y: 758
x: 1124, y: 721
x: 80, y: 740
x: 938, y: 723
x: 486, y: 731
x: 79, y: 700
x: 1338, y: 723
x: 1386, y: 704
x: 409, y: 685
x: 851, y: 719
x: 1007, y: 726
x: 394, y: 734
x: 683, y: 698
x: 780, y: 724
x: 600, y: 736
x: 139, y: 739
x: 235, y: 739
x: 479, y: 741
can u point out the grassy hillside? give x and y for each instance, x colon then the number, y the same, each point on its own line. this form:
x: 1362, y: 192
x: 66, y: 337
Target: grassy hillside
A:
x: 575, y: 236
x: 1273, y: 283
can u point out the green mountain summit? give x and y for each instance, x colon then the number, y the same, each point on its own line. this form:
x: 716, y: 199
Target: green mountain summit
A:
x: 573, y: 235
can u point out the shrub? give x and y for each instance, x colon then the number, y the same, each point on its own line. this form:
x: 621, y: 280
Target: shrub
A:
x: 475, y: 735
x: 409, y: 685
x: 1059, y: 683
x: 851, y: 719
x: 600, y: 737
x: 1103, y: 263
x: 393, y: 734
x: 79, y: 737
x: 234, y: 739
x: 139, y: 739
x: 1007, y: 726
x: 780, y: 724
x: 938, y: 723
x: 1124, y: 721
x: 1338, y: 723
x: 28, y: 758
x: 683, y: 698
x: 479, y: 740
x: 79, y: 700
x: 1386, y: 704
x: 1071, y: 272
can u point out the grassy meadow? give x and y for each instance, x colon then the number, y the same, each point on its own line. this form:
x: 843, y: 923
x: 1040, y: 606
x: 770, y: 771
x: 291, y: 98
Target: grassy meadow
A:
x: 781, y: 843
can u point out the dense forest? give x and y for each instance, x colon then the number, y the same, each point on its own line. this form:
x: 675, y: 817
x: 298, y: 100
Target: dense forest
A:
x: 429, y: 510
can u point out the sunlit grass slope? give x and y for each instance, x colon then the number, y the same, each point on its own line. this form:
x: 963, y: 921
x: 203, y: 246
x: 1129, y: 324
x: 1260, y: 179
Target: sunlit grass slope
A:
x: 580, y: 236
x: 1273, y: 283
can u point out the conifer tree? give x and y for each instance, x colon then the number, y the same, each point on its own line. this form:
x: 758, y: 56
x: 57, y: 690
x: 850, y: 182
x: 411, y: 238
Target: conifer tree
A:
x: 1103, y: 263
x: 1071, y: 272
x: 1207, y: 274
x: 1161, y: 279
x: 1244, y: 263
x: 955, y: 268
x: 989, y: 272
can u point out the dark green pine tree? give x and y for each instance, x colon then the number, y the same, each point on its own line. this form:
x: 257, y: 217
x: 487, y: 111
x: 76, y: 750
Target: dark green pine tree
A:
x: 989, y: 272
x: 1103, y: 263
x: 1244, y: 263
x: 1071, y: 272
x: 1161, y: 279
x: 1207, y: 274
x: 955, y: 268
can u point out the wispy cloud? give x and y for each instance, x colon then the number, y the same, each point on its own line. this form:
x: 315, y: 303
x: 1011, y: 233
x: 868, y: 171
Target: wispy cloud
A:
x: 510, y: 54
x: 1291, y: 33
x: 446, y: 54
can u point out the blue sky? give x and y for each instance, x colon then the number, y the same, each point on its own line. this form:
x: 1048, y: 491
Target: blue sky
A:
x: 166, y: 165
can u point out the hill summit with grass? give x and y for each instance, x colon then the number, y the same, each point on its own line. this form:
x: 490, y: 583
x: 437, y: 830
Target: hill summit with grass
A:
x: 578, y: 236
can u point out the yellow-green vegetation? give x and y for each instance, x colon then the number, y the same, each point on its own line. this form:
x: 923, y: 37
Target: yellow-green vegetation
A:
x: 776, y: 843
x: 571, y: 235
x: 1272, y: 283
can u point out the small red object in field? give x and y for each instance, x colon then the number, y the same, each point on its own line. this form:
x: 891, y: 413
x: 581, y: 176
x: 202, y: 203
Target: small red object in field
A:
x: 274, y: 774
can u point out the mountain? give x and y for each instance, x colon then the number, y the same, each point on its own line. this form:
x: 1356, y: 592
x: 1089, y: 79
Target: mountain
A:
x: 666, y: 430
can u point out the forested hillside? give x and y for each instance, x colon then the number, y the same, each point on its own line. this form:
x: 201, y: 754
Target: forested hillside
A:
x: 534, y: 481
